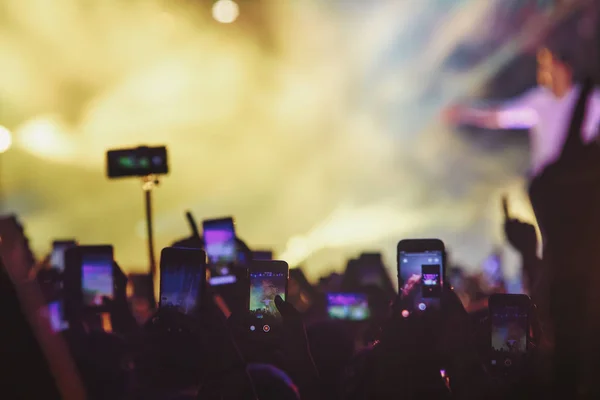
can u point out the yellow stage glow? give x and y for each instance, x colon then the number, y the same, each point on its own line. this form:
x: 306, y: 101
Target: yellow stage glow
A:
x: 45, y: 137
x: 5, y: 139
x: 309, y: 138
x: 225, y: 11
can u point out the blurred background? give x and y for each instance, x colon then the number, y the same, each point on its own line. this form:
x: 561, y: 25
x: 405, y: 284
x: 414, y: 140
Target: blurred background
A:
x: 317, y: 124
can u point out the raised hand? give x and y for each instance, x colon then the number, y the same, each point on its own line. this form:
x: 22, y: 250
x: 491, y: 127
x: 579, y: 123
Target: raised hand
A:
x: 521, y: 235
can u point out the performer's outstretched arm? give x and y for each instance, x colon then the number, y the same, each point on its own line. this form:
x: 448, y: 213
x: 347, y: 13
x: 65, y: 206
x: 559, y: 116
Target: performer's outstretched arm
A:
x: 519, y: 113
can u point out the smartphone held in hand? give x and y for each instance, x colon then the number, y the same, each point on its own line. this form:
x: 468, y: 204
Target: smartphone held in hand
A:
x: 268, y: 279
x: 422, y: 262
x: 182, y: 278
x: 509, y: 316
x: 97, y: 277
x: 221, y: 249
x: 89, y: 277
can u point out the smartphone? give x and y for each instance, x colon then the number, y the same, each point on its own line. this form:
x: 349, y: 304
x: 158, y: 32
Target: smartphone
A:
x: 182, y: 278
x: 348, y: 306
x: 509, y: 316
x: 89, y: 278
x: 97, y: 274
x: 422, y: 259
x: 139, y: 161
x: 221, y: 249
x: 57, y: 257
x: 267, y: 280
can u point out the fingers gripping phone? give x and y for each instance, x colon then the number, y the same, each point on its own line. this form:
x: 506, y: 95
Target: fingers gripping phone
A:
x: 268, y: 279
x: 221, y: 249
x: 422, y: 260
x: 182, y: 278
x: 509, y: 316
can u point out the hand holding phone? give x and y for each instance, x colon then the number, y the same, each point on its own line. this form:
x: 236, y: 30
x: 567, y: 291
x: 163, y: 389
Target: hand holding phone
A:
x: 89, y: 278
x: 268, y: 279
x: 221, y: 249
x: 421, y: 261
x: 97, y: 275
x: 509, y: 316
x: 182, y: 278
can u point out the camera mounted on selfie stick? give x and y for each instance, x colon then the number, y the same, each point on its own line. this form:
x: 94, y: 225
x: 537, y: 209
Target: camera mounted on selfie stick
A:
x: 147, y: 163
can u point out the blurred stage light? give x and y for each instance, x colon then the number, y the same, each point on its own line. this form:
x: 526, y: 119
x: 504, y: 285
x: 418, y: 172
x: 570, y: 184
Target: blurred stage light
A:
x: 44, y: 137
x: 225, y: 11
x: 5, y: 139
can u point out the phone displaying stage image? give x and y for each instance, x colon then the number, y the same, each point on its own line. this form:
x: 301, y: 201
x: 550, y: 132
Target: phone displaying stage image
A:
x: 348, y: 306
x: 268, y: 279
x: 221, y: 249
x: 219, y: 240
x: 509, y: 330
x: 97, y: 277
x: 182, y: 275
x: 431, y: 281
x: 509, y: 315
x: 421, y: 262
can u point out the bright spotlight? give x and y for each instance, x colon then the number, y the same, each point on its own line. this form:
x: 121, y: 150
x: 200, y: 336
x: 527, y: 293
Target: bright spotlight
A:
x: 5, y: 139
x: 225, y: 11
x: 45, y: 137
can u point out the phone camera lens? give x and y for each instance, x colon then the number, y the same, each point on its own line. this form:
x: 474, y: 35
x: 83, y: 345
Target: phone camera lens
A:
x: 266, y: 328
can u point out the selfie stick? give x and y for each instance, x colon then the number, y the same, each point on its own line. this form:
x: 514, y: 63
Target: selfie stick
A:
x: 149, y: 182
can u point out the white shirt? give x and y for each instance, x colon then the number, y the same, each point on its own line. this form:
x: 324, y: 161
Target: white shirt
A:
x: 548, y: 118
